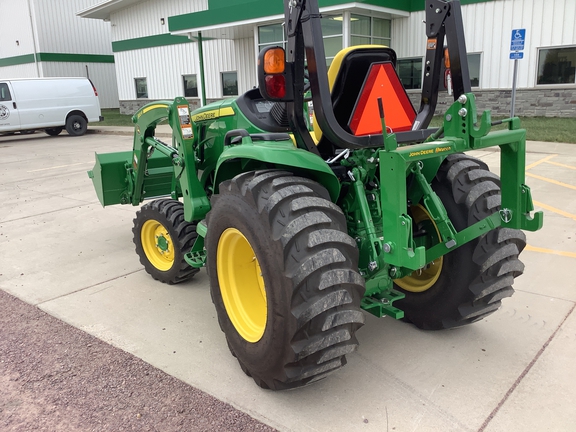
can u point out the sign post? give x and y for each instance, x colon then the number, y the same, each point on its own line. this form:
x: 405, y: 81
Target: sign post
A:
x: 516, y: 48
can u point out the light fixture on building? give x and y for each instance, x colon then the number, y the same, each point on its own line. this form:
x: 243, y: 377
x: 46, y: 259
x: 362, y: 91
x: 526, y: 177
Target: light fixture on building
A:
x: 17, y: 43
x: 162, y: 21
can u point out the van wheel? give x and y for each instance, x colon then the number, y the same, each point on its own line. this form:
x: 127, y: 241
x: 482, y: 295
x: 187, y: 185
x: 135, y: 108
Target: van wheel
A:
x: 76, y: 125
x: 53, y: 131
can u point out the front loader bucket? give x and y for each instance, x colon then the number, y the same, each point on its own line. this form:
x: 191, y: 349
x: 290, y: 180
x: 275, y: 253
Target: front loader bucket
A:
x: 109, y: 176
x: 112, y: 176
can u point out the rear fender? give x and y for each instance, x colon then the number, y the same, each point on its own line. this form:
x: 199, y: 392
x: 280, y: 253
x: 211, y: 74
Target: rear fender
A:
x: 249, y: 155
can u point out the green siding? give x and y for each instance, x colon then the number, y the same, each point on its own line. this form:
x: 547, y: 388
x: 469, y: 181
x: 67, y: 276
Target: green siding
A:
x: 57, y: 57
x: 75, y: 58
x: 149, y: 42
x: 18, y: 60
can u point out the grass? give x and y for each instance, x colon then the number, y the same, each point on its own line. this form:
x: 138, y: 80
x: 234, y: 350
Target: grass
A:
x: 112, y: 117
x: 552, y: 129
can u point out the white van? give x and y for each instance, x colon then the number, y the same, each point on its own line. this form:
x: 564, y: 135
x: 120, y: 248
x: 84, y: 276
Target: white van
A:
x: 51, y: 104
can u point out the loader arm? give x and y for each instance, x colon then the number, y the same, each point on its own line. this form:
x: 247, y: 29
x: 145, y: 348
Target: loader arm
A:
x: 154, y: 168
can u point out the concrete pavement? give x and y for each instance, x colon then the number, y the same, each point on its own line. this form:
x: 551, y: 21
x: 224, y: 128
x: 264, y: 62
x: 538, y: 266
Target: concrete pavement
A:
x: 512, y: 371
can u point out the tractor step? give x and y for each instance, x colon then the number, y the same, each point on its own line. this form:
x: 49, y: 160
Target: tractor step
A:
x: 197, y: 256
x: 382, y: 305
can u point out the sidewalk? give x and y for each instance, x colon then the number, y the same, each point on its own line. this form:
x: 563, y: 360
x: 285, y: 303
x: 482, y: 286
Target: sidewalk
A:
x: 162, y: 130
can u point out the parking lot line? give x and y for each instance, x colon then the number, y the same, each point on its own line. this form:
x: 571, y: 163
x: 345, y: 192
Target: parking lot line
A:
x: 541, y: 161
x: 561, y: 165
x: 556, y: 182
x: 61, y: 166
x: 555, y: 210
x: 550, y: 251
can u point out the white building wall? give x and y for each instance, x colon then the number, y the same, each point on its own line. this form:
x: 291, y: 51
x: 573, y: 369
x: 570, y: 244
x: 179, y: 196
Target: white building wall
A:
x: 164, y: 66
x: 20, y: 71
x: 55, y: 28
x: 143, y: 18
x: 59, y: 30
x: 15, y: 26
x: 246, y: 63
x: 488, y: 28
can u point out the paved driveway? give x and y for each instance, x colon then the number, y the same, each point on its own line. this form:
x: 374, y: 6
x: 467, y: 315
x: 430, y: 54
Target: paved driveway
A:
x: 514, y: 371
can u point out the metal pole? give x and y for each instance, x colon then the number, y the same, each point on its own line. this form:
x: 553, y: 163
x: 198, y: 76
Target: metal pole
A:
x: 202, y: 80
x: 34, y: 40
x: 514, y: 88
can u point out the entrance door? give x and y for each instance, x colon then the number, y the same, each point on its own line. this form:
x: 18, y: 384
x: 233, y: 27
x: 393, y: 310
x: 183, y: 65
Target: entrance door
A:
x: 9, y: 116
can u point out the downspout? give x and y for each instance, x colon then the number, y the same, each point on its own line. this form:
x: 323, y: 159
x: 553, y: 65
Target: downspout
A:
x: 33, y: 39
x: 201, y: 57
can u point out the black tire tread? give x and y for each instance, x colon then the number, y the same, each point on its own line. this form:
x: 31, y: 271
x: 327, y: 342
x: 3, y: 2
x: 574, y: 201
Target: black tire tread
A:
x: 184, y: 238
x: 319, y: 260
x: 496, y: 253
x: 495, y: 263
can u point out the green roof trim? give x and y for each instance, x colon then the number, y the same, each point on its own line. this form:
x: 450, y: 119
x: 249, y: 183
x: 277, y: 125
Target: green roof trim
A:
x: 149, y: 42
x: 229, y: 14
x: 230, y: 11
x: 56, y: 57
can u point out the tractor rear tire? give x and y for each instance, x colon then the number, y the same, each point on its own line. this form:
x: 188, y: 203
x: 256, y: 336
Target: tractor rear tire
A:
x: 162, y: 238
x: 475, y: 277
x: 283, y: 277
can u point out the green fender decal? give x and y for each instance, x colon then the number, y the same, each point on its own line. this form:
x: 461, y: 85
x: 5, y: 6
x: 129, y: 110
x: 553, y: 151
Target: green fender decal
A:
x: 281, y: 154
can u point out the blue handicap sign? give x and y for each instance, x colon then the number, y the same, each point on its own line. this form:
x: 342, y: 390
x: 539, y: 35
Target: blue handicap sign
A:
x: 516, y: 55
x: 518, y: 39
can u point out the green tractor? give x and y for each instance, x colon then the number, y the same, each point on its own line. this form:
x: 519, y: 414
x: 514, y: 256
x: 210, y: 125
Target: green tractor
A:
x: 302, y: 226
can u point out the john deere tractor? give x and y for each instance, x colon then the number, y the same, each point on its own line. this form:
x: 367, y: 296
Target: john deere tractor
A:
x: 305, y: 226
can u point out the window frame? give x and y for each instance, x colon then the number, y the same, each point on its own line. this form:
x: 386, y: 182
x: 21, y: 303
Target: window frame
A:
x: 184, y: 84
x: 421, y: 72
x: 552, y: 85
x: 374, y: 40
x: 262, y: 45
x: 136, y: 87
x: 223, y: 86
x: 479, y: 53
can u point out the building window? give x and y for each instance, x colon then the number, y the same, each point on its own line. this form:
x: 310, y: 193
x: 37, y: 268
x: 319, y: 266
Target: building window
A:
x: 333, y: 36
x: 230, y: 83
x: 474, y: 69
x: 271, y: 35
x: 410, y: 72
x: 141, y: 88
x: 366, y: 30
x: 557, y: 66
x: 190, y: 85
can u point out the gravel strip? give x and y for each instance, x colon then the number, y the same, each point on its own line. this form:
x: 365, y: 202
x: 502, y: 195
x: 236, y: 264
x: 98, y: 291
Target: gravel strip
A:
x: 54, y: 377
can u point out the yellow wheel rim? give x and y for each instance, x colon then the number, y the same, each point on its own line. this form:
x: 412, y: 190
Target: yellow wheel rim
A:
x: 157, y: 245
x: 422, y: 279
x: 241, y: 285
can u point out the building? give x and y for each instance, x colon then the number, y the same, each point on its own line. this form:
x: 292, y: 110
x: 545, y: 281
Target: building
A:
x: 47, y: 39
x: 157, y: 53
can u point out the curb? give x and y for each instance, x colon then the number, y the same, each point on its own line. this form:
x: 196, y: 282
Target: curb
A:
x: 122, y: 133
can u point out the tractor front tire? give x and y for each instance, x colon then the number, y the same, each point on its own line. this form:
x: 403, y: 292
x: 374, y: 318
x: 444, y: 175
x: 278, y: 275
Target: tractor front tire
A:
x: 468, y: 283
x: 283, y: 277
x: 162, y: 238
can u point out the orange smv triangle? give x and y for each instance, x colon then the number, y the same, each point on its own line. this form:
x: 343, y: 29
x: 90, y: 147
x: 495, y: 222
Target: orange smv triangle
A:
x: 382, y: 82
